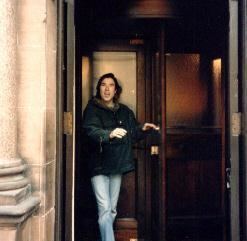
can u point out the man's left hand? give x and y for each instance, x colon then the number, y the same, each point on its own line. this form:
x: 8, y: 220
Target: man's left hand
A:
x: 148, y: 126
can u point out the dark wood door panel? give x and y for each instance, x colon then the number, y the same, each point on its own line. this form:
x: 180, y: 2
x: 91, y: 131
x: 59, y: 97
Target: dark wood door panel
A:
x: 194, y: 177
x: 194, y: 185
x: 195, y: 230
x: 193, y: 144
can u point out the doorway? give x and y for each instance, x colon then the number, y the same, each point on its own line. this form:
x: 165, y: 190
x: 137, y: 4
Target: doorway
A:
x: 179, y: 193
x: 127, y: 63
x: 194, y: 171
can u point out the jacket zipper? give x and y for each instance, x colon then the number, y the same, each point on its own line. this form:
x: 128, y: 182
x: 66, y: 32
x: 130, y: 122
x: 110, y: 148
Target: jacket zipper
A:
x: 100, y: 144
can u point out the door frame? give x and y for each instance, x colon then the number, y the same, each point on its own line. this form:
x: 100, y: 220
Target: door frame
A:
x: 59, y: 200
x: 162, y: 154
x: 65, y: 103
x: 243, y: 106
x: 233, y: 108
x: 240, y: 54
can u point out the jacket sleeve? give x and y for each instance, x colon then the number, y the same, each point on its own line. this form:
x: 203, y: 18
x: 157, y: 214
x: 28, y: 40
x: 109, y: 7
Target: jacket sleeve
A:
x: 92, y: 126
x: 137, y: 133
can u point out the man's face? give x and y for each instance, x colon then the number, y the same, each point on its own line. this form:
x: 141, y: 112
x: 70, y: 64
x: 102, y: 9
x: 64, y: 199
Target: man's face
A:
x: 107, y: 90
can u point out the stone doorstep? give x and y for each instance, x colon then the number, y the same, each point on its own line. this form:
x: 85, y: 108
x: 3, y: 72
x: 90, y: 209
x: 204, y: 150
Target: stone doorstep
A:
x: 13, y: 197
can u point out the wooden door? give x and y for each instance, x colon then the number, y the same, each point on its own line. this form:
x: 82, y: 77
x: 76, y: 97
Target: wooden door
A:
x: 65, y: 170
x: 127, y: 63
x: 236, y: 165
x: 188, y: 177
x: 243, y: 93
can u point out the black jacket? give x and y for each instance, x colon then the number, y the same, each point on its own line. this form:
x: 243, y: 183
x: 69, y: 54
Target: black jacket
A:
x: 109, y: 156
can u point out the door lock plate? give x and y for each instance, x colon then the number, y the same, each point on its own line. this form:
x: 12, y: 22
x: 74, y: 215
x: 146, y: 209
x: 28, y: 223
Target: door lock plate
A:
x: 154, y: 150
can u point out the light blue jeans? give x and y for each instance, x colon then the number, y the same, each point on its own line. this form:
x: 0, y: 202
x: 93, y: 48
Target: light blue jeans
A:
x: 106, y: 190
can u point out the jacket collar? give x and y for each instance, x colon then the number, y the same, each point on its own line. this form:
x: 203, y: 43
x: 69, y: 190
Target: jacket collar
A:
x: 100, y: 103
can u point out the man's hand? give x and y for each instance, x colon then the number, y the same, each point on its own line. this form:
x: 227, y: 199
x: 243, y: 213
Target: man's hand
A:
x: 148, y: 126
x: 118, y: 133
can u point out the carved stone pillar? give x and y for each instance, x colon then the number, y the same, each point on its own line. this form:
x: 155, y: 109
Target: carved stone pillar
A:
x: 16, y: 202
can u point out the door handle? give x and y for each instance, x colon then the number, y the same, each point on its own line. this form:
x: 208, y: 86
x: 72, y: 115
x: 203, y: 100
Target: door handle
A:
x: 154, y: 150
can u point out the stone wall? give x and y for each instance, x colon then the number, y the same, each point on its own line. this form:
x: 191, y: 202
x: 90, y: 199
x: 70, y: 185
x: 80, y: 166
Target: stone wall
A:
x: 36, y: 105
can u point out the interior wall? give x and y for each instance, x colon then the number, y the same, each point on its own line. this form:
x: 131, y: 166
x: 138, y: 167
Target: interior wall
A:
x: 36, y: 73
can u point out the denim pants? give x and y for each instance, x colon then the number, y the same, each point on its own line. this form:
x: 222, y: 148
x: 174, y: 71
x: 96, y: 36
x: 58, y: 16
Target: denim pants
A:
x: 106, y: 190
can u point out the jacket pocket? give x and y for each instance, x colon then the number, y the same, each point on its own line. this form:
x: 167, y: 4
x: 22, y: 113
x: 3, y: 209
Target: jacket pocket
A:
x: 118, y: 141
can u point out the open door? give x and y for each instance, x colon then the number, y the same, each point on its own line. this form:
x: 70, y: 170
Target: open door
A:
x: 189, y: 189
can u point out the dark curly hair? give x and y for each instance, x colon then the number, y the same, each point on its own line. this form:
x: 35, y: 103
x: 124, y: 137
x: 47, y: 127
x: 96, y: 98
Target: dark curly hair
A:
x: 117, y: 86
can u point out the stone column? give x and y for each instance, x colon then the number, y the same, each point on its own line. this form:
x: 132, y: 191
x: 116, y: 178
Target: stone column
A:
x: 16, y: 202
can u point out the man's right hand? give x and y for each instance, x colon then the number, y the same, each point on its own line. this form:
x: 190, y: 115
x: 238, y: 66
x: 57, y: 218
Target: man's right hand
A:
x: 118, y: 133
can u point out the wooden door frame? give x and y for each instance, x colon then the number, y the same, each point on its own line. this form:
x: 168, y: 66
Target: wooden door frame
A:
x: 65, y: 103
x: 243, y: 94
x: 157, y: 90
x: 69, y: 138
x: 233, y: 104
x: 162, y: 155
x: 59, y: 202
x: 60, y: 172
x: 238, y: 145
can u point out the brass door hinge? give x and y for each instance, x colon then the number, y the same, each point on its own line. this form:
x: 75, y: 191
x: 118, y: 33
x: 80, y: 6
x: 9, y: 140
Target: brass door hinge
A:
x: 236, y: 124
x: 67, y: 123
